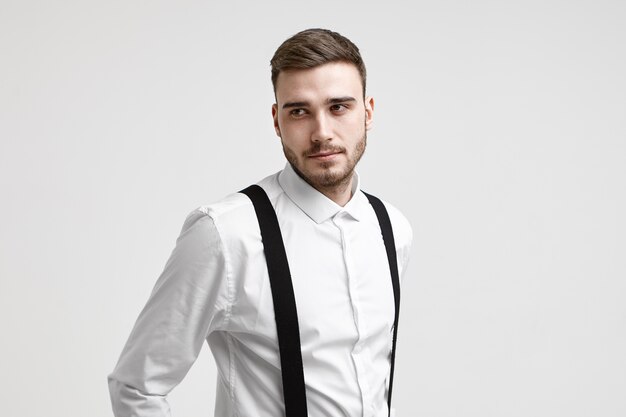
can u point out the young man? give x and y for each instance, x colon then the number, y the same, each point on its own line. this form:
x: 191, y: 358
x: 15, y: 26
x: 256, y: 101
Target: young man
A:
x: 216, y: 285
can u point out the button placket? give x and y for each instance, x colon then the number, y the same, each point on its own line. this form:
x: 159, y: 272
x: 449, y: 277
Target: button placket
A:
x: 342, y: 223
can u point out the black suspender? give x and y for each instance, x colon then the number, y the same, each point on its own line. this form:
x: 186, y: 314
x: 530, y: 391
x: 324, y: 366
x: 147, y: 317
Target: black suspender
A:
x: 285, y: 303
x: 390, y: 246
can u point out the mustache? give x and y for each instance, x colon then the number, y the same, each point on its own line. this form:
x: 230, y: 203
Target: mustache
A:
x: 322, y: 148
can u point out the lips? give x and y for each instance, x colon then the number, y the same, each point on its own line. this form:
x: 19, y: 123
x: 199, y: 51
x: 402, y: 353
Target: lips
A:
x: 324, y: 153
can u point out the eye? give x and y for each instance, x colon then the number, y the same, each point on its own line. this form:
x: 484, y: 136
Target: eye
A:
x: 297, y: 112
x: 338, y: 108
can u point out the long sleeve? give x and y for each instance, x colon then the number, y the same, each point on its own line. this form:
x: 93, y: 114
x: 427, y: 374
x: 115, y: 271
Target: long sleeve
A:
x: 189, y: 300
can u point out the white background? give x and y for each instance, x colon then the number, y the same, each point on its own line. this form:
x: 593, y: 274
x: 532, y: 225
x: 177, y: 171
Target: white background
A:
x: 500, y: 132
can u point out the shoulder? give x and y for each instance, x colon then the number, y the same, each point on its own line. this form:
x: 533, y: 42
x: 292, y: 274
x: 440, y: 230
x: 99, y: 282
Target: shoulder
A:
x: 402, y: 230
x: 233, y: 214
x: 403, y: 236
x: 232, y: 206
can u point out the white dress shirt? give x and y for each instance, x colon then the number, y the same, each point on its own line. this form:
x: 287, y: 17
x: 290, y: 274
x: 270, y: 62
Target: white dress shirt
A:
x: 215, y: 287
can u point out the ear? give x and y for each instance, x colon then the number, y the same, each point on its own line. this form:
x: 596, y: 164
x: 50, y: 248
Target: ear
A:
x: 369, y: 112
x: 275, y: 117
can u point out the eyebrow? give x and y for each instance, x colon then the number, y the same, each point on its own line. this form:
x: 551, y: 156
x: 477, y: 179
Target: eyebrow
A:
x: 340, y: 100
x: 333, y: 100
x: 292, y: 104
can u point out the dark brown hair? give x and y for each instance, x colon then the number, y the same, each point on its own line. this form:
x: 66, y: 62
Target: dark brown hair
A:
x: 314, y: 47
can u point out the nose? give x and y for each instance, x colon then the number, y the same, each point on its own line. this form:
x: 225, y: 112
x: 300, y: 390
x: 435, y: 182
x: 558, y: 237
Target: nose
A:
x: 322, y: 130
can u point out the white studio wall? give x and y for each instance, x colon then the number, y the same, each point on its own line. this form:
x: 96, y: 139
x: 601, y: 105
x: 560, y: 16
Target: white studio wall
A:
x: 500, y: 132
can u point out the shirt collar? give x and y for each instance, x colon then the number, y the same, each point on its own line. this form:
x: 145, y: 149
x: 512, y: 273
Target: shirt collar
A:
x: 315, y: 204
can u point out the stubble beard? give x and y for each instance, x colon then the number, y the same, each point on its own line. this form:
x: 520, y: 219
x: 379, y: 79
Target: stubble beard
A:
x: 328, y: 179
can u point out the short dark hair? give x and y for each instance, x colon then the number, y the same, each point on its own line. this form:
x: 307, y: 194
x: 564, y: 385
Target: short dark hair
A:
x: 314, y: 47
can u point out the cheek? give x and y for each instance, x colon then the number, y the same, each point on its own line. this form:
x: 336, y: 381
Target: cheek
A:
x: 354, y: 128
x: 354, y: 121
x: 294, y: 132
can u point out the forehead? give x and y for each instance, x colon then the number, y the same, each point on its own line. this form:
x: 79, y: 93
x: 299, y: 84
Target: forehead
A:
x: 335, y: 79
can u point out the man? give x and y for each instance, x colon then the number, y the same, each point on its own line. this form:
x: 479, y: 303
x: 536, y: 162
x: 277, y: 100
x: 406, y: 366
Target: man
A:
x: 216, y: 285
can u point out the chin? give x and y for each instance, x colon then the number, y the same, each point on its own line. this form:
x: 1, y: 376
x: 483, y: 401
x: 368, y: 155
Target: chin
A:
x: 329, y: 177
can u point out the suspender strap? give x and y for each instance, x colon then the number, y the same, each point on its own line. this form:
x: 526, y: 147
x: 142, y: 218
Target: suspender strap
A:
x: 390, y: 246
x: 284, y: 303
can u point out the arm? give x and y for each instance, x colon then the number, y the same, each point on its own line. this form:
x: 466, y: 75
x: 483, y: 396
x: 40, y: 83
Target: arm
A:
x: 189, y: 300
